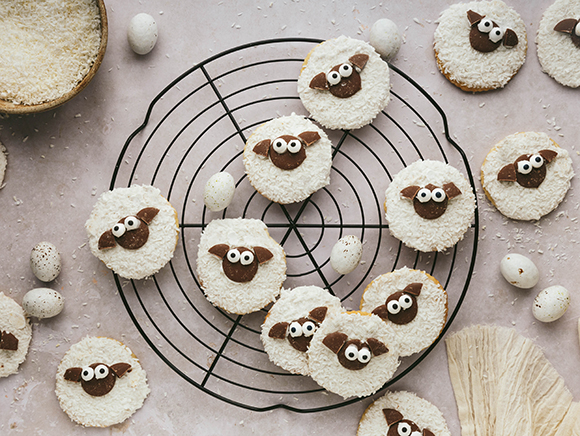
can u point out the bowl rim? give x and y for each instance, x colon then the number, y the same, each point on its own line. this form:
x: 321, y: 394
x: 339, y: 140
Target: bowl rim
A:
x: 8, y: 107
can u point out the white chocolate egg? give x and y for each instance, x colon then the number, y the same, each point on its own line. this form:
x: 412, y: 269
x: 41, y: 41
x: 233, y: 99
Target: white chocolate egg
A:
x: 551, y: 303
x: 42, y: 303
x: 219, y: 191
x: 346, y: 254
x: 142, y: 33
x: 519, y: 271
x: 385, y: 38
x: 45, y: 261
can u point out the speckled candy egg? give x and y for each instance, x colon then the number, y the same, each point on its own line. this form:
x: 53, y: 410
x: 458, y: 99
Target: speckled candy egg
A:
x: 42, y: 303
x: 219, y: 191
x: 346, y: 253
x: 142, y: 33
x: 385, y: 38
x: 519, y: 271
x: 45, y: 261
x: 551, y: 303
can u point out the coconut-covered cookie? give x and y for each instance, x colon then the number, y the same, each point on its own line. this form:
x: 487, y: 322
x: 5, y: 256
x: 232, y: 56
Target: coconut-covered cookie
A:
x: 15, y: 335
x: 480, y: 45
x: 526, y: 175
x: 239, y: 266
x: 99, y: 382
x: 344, y: 83
x: 429, y: 206
x: 558, y: 41
x: 402, y: 414
x: 412, y: 302
x: 288, y: 158
x: 353, y: 354
x: 134, y: 231
x: 291, y: 323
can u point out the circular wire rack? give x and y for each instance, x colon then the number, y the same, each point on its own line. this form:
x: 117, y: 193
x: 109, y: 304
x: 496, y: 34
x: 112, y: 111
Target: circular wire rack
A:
x: 198, y: 126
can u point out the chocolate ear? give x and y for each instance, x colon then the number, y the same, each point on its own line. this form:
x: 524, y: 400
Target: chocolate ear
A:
x: 120, y: 369
x: 451, y: 190
x: 392, y: 416
x: 8, y: 341
x: 566, y: 26
x: 381, y: 311
x: 548, y: 155
x: 507, y: 173
x: 309, y: 138
x: 413, y: 289
x: 377, y: 347
x: 263, y: 254
x: 319, y: 82
x: 147, y: 214
x: 262, y: 147
x: 335, y: 341
x: 510, y: 38
x: 427, y: 432
x: 359, y: 60
x: 278, y: 330
x: 73, y: 374
x: 107, y: 240
x: 220, y: 250
x: 410, y: 191
x: 474, y: 17
x: 318, y: 313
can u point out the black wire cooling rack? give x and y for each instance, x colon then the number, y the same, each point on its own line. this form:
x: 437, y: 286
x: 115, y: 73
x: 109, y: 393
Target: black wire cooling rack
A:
x: 198, y: 126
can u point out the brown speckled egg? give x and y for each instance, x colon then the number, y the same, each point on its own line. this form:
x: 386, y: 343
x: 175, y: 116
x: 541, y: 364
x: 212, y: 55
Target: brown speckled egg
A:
x: 45, y: 261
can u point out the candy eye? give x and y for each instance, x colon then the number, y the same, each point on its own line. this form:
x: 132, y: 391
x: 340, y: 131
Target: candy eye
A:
x: 485, y: 25
x: 308, y: 328
x: 345, y: 70
x: 233, y: 255
x: 393, y: 307
x: 424, y: 195
x: 405, y: 301
x: 87, y: 374
x: 295, y: 329
x: 132, y: 223
x: 577, y: 29
x: 351, y: 352
x: 524, y: 167
x: 438, y: 195
x: 416, y: 433
x: 101, y: 371
x: 246, y: 258
x: 119, y: 230
x: 496, y: 34
x: 404, y: 429
x: 537, y: 161
x: 333, y: 77
x: 279, y: 146
x: 294, y: 146
x: 364, y: 355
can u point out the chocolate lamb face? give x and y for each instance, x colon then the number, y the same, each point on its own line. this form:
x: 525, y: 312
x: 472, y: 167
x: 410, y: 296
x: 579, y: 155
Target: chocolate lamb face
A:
x: 486, y: 35
x: 240, y: 264
x: 430, y: 202
x: 97, y: 379
x: 343, y: 80
x: 287, y: 152
x: 299, y: 332
x: 399, y: 426
x: 401, y: 307
x: 529, y: 170
x: 353, y: 354
x: 571, y: 26
x: 130, y: 232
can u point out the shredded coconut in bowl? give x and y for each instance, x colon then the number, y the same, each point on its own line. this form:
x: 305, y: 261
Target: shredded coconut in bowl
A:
x: 47, y: 47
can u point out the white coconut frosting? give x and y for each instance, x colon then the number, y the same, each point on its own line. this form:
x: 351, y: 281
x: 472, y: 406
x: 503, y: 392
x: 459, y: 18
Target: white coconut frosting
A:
x: 413, y: 408
x: 429, y: 234
x: 126, y: 397
x: 326, y: 369
x: 468, y: 68
x: 292, y: 305
x: 431, y: 307
x: 352, y: 112
x: 236, y: 297
x: 288, y: 186
x: 13, y: 320
x: 163, y: 231
x: 514, y: 200
x: 557, y: 53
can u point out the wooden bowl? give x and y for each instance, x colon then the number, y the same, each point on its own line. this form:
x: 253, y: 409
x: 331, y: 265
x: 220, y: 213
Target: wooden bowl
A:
x: 11, y: 108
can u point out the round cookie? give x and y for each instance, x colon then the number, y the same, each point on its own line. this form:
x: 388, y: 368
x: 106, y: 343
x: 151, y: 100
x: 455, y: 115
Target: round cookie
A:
x: 288, y: 158
x: 429, y: 206
x: 134, y: 231
x: 353, y: 354
x: 291, y: 322
x: 412, y: 302
x: 526, y: 202
x: 472, y: 56
x: 99, y: 382
x: 344, y: 83
x: 239, y: 266
x: 401, y: 413
x: 559, y: 50
x: 15, y: 335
